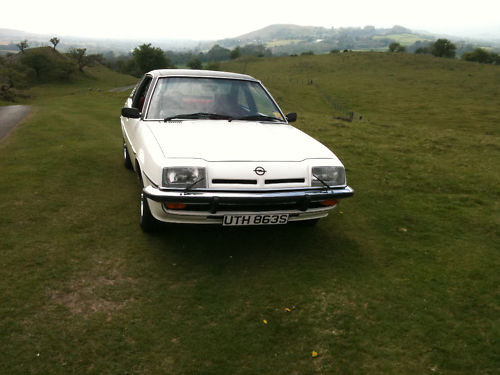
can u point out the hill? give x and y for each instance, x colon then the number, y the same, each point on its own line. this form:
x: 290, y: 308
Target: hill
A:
x: 284, y: 32
x: 288, y: 39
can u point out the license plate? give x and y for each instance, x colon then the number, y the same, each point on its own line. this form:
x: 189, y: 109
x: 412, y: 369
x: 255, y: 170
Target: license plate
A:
x: 266, y: 219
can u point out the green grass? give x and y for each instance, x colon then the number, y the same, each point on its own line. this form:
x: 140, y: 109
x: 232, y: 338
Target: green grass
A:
x: 402, y: 279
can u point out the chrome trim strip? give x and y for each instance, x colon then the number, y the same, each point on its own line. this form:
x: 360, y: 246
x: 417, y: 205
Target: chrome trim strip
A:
x: 198, y: 196
x: 259, y: 190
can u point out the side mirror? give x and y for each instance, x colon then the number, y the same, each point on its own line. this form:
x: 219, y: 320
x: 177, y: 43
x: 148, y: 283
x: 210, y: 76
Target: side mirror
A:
x: 131, y: 112
x: 291, y: 117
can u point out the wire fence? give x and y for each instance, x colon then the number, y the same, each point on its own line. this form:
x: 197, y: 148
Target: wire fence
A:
x: 340, y: 112
x: 346, y: 114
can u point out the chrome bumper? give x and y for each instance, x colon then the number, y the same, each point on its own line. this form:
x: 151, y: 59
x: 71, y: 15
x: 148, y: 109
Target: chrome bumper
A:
x: 301, y: 198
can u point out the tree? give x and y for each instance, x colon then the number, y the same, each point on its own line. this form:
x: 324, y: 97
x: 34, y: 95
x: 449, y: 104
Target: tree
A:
x: 81, y: 58
x: 148, y: 58
x: 195, y: 64
x: 235, y: 53
x: 443, y: 48
x: 396, y: 47
x: 55, y: 41
x: 217, y: 53
x: 39, y: 62
x: 22, y: 45
x: 79, y: 55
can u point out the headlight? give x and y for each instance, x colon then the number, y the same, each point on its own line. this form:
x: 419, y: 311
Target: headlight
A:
x: 183, y: 177
x: 330, y: 175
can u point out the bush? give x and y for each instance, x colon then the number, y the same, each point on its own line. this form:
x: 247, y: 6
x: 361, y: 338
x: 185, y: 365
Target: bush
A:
x: 45, y: 64
x: 423, y: 50
x: 13, y: 76
x: 396, y: 47
x: 213, y: 66
x: 482, y: 56
x: 195, y: 64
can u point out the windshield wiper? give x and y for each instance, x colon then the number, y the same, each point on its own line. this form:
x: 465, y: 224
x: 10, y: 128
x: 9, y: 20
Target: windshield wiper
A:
x: 194, y: 183
x: 323, y: 182
x: 257, y: 117
x: 198, y: 115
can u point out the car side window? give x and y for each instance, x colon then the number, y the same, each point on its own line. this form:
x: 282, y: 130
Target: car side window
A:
x: 141, y: 92
x: 262, y: 102
x: 245, y: 99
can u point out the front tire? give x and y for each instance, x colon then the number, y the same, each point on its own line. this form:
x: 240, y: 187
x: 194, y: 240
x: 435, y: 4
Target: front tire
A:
x: 127, y: 162
x: 147, y: 221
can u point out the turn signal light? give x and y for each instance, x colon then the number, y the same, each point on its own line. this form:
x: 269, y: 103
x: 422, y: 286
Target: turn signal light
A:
x: 330, y: 202
x: 175, y: 206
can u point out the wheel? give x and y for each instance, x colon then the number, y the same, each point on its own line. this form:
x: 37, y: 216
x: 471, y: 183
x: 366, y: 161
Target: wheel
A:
x: 147, y: 221
x: 126, y: 157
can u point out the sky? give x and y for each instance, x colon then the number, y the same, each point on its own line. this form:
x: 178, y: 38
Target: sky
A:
x: 218, y: 19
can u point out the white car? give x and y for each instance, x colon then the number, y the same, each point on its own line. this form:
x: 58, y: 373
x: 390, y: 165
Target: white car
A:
x: 214, y: 148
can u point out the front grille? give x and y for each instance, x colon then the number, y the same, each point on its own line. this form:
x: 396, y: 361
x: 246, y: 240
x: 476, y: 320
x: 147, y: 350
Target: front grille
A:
x: 233, y: 181
x: 285, y: 181
x: 254, y: 182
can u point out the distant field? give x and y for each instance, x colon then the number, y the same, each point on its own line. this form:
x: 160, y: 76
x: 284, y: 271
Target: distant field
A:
x: 278, y: 43
x: 401, y: 279
x: 405, y: 39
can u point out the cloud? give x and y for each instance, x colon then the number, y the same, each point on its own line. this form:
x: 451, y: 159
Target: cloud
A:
x: 216, y: 19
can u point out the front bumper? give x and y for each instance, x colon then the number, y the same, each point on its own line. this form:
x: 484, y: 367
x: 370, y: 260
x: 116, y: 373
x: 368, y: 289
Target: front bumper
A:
x: 209, y: 206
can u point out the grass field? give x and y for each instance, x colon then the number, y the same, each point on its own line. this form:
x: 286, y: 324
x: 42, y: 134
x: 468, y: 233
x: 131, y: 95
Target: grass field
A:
x: 401, y: 279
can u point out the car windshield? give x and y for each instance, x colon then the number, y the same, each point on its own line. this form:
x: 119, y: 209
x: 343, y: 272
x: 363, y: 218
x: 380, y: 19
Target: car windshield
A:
x: 213, y: 98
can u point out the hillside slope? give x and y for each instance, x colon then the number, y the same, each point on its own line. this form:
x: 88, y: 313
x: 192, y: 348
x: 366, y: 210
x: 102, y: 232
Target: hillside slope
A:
x: 402, y: 278
x: 286, y: 39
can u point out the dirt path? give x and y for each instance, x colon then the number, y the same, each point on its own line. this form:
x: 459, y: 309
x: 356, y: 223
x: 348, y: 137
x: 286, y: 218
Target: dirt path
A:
x: 124, y: 88
x: 10, y: 116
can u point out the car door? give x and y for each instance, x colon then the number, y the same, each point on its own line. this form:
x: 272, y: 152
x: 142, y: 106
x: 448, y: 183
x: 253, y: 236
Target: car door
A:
x: 131, y: 126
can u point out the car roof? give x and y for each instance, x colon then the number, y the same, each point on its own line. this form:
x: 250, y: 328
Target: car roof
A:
x: 199, y: 73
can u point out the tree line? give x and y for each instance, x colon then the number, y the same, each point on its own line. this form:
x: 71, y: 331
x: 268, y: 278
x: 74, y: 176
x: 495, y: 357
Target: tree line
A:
x: 146, y: 57
x: 445, y: 48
